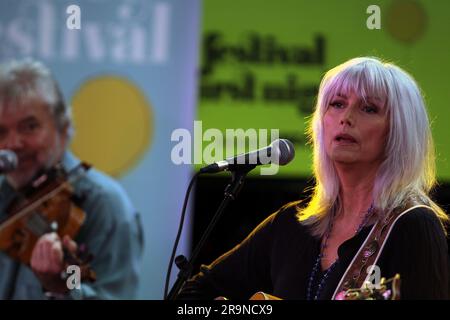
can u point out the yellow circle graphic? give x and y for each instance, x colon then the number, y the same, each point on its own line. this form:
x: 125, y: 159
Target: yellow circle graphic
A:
x: 113, y: 124
x: 407, y: 21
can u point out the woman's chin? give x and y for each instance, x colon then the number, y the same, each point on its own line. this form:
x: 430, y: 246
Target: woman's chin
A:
x: 344, y: 159
x: 344, y: 155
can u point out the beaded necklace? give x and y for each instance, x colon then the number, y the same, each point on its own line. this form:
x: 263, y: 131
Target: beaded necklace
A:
x: 321, y: 255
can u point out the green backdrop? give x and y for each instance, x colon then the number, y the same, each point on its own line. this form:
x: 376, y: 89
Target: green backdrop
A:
x: 261, y: 62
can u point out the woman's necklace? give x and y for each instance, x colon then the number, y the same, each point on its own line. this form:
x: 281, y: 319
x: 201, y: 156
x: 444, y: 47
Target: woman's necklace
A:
x: 317, y: 264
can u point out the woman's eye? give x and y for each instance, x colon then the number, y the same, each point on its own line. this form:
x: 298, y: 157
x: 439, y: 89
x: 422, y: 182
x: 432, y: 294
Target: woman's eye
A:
x: 370, y: 109
x: 337, y: 104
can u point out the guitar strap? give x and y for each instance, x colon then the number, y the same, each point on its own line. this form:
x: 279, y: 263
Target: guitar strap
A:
x: 368, y: 254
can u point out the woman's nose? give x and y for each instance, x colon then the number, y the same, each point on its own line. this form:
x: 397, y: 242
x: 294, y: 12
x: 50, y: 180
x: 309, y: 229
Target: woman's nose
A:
x: 347, y: 117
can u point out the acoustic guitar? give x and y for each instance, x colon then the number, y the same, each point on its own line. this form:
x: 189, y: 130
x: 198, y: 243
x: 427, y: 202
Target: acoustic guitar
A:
x: 387, y: 290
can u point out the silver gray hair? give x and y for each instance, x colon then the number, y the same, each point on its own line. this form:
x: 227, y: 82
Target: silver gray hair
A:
x: 408, y: 170
x: 29, y: 80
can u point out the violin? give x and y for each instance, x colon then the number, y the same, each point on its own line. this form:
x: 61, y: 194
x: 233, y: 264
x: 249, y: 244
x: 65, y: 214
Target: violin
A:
x: 48, y: 204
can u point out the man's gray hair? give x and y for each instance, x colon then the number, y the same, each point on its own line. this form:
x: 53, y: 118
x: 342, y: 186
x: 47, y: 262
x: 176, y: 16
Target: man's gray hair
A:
x: 28, y: 80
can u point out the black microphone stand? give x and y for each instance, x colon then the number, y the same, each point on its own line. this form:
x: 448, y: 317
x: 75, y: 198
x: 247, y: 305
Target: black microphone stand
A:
x: 185, y: 265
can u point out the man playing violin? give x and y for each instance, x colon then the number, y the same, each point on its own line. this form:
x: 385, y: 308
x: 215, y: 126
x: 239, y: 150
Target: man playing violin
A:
x: 35, y: 124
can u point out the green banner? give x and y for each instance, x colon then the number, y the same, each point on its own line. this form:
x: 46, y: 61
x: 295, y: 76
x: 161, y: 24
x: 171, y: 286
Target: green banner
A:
x: 262, y: 62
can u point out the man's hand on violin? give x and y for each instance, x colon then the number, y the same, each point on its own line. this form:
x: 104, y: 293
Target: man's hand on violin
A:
x: 47, y: 260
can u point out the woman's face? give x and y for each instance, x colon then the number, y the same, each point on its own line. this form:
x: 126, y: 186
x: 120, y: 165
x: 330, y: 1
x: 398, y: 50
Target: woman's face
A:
x: 355, y: 131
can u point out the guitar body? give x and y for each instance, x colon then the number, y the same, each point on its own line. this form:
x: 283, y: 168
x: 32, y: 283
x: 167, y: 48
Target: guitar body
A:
x: 383, y: 293
x: 263, y: 296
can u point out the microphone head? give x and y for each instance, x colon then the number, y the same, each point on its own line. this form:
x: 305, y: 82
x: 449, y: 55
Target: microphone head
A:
x: 282, y: 151
x: 8, y: 161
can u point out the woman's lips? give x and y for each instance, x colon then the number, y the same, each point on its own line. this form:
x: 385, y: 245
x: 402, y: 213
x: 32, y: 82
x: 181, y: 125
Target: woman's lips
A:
x: 345, y: 142
x: 344, y: 138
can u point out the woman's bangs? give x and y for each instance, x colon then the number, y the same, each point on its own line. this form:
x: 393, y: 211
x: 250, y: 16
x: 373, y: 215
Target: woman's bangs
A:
x: 367, y: 80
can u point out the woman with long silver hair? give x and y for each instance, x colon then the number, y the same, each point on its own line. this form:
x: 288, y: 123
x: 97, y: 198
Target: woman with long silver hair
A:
x: 370, y: 215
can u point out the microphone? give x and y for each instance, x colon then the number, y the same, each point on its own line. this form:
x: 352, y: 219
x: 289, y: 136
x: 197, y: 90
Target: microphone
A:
x: 280, y: 151
x: 8, y: 161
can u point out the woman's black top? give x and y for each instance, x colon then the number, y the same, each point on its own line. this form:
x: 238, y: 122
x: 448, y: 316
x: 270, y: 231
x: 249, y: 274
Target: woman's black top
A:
x: 279, y: 255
